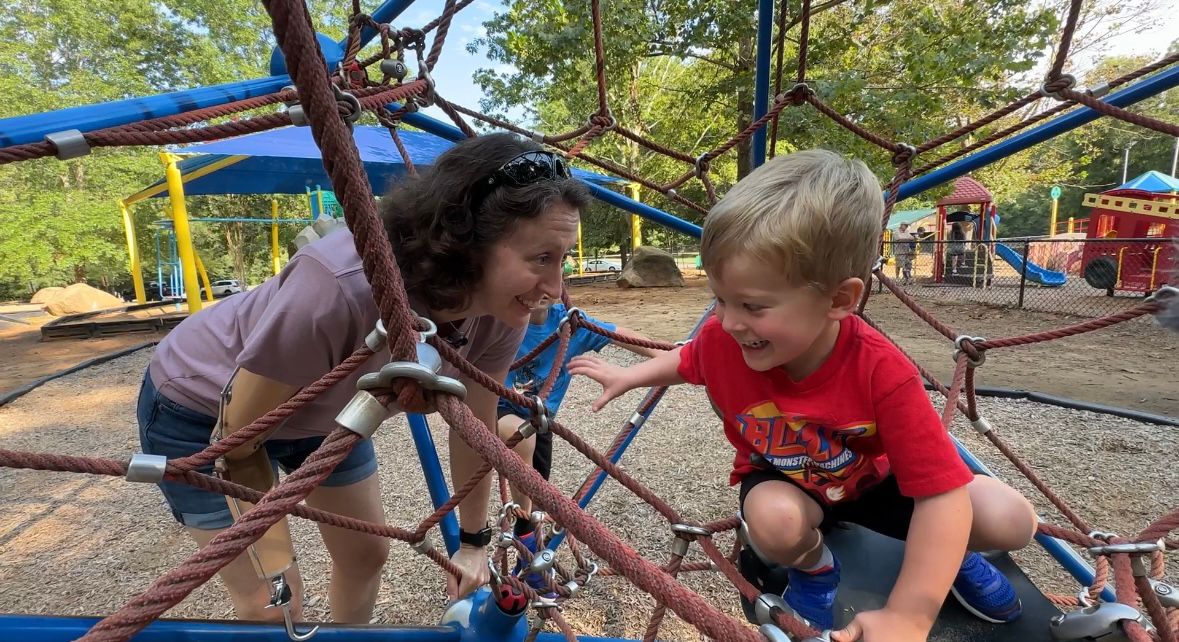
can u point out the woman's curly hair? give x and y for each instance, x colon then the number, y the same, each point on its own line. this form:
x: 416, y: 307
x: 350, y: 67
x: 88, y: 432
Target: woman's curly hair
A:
x: 440, y: 241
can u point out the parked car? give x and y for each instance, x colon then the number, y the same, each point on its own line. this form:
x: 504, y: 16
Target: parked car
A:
x: 224, y: 287
x: 601, y: 265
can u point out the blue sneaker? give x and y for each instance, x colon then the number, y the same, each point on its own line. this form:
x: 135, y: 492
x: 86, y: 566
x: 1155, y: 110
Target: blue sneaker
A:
x: 812, y: 596
x: 983, y: 590
x: 535, y: 580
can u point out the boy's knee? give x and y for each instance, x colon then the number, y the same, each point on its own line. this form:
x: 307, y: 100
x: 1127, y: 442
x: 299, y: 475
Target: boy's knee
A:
x: 781, y: 520
x: 1003, y: 518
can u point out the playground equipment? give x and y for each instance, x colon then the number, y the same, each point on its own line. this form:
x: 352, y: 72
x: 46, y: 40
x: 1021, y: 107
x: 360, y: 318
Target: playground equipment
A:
x: 1034, y: 273
x: 473, y: 619
x: 1144, y: 215
x: 967, y: 258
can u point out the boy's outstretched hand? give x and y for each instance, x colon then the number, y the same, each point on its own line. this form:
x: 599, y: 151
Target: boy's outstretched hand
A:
x: 613, y: 378
x: 881, y: 626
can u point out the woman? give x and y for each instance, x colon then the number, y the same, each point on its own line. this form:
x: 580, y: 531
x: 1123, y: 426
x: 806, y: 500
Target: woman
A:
x: 957, y: 246
x: 479, y: 240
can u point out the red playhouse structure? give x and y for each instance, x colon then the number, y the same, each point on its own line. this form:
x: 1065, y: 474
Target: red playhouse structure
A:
x: 965, y: 260
x: 1144, y: 212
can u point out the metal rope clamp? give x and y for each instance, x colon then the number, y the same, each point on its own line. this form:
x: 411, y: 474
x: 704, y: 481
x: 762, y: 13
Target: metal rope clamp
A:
x: 540, y: 421
x: 973, y: 363
x: 611, y: 121
x: 364, y: 413
x: 68, y: 144
x: 905, y: 153
x: 1164, y: 293
x: 1069, y: 82
x: 349, y: 101
x: 574, y: 587
x: 1099, y: 622
x: 295, y: 108
x: 797, y: 94
x: 684, y: 535
x: 569, y: 315
x: 147, y: 468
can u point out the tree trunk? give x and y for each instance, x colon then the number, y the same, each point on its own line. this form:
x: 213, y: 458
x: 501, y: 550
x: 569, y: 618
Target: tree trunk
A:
x: 746, y: 68
x: 235, y: 243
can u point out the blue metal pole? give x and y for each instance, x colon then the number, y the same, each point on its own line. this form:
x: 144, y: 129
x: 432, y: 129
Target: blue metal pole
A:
x: 216, y: 219
x: 1151, y: 86
x: 1068, y: 558
x: 387, y: 12
x: 32, y: 128
x: 38, y: 628
x: 761, y: 87
x: 159, y: 268
x: 419, y: 428
x: 452, y: 133
x: 653, y: 397
x: 646, y: 211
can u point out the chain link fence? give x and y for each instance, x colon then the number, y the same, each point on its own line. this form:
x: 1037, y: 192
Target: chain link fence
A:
x: 1079, y: 277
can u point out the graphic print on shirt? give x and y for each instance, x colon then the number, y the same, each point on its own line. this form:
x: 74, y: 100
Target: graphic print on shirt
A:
x: 815, y: 456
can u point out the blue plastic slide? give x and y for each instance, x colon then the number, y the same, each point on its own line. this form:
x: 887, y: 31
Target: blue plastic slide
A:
x: 1035, y: 273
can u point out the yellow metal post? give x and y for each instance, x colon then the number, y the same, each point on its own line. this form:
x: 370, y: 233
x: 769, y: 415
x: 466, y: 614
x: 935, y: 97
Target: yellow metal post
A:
x: 580, y: 253
x: 172, y: 175
x: 274, y: 235
x: 1052, y: 218
x: 636, y: 221
x: 1070, y: 225
x: 204, y: 277
x: 133, y: 253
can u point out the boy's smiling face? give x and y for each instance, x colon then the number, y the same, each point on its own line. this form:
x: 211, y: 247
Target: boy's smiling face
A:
x: 777, y: 324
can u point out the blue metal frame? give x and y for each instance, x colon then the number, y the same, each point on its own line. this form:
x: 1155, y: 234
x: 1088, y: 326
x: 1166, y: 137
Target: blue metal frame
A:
x: 1069, y: 559
x: 653, y: 397
x: 33, y: 128
x: 1141, y: 90
x: 387, y: 12
x: 419, y: 428
x: 761, y: 87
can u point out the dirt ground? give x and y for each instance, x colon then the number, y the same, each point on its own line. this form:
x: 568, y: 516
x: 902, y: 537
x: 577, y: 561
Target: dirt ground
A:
x: 95, y: 542
x: 1130, y: 365
x: 26, y: 358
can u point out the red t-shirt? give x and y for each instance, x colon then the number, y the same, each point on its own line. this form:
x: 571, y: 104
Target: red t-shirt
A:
x: 863, y: 414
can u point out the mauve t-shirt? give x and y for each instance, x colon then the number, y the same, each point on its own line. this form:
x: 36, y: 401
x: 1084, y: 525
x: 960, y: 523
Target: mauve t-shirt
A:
x: 294, y: 328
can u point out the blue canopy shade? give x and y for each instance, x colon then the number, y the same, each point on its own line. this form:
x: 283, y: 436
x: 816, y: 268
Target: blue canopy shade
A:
x: 287, y: 161
x: 1153, y: 181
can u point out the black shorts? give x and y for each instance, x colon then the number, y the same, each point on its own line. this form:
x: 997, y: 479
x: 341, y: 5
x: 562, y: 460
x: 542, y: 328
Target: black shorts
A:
x: 882, y: 508
x: 542, y: 456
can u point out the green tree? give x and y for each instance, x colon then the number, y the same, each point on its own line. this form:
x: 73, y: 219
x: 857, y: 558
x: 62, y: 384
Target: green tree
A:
x: 682, y: 72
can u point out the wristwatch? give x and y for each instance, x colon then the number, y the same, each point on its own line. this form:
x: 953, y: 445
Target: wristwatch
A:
x: 480, y: 538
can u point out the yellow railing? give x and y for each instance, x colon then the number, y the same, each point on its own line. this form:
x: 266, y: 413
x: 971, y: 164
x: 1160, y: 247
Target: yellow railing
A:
x: 986, y: 255
x: 1154, y: 265
x: 1118, y: 277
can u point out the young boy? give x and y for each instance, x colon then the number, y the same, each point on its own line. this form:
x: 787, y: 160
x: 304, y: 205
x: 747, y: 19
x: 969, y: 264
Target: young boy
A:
x: 530, y: 377
x: 830, y: 421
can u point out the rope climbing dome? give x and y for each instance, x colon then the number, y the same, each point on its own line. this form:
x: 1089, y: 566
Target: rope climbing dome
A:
x: 328, y: 100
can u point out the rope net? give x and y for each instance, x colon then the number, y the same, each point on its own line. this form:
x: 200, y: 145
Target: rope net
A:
x: 323, y: 99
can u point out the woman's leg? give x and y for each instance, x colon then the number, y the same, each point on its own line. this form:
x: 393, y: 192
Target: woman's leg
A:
x: 249, y: 593
x: 508, y: 424
x: 357, y: 558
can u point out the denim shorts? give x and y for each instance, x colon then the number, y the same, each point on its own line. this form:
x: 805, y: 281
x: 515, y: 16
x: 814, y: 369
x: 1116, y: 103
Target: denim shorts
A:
x: 168, y: 428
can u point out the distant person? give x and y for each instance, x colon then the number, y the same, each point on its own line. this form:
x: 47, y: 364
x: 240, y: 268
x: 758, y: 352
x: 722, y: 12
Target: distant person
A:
x: 957, y: 246
x: 904, y: 244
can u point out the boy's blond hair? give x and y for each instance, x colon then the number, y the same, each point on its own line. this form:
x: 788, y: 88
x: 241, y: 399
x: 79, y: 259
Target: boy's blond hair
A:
x: 813, y: 214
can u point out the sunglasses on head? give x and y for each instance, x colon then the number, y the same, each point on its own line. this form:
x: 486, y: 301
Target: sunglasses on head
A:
x: 522, y: 170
